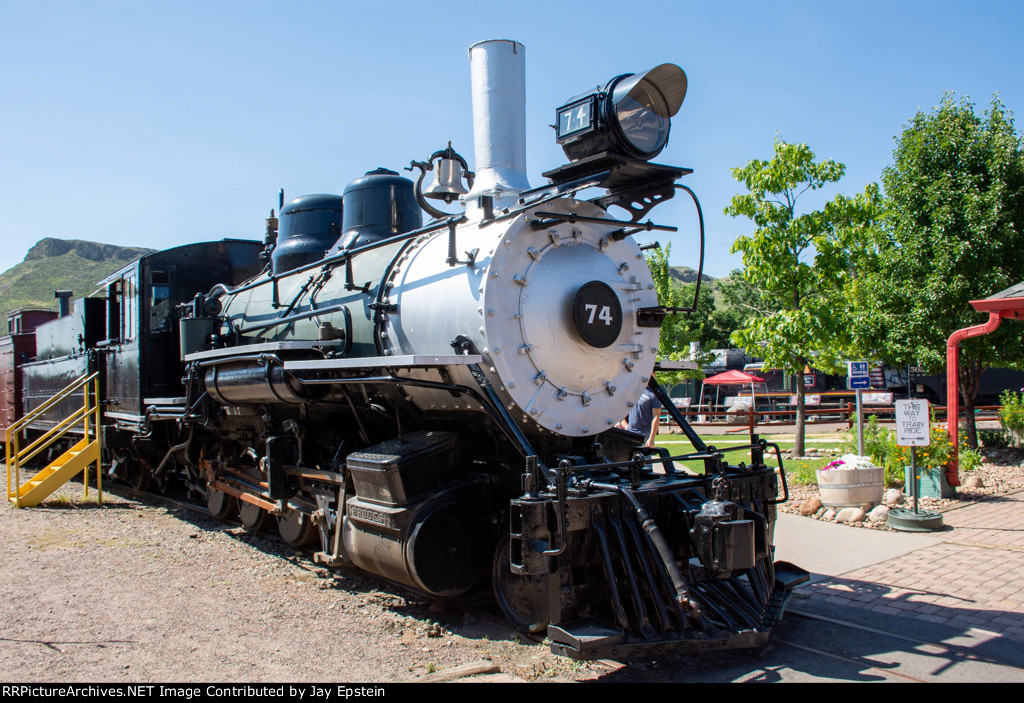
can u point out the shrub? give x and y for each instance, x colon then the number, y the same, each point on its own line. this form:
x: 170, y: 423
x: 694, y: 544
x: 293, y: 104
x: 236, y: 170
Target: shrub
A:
x: 995, y: 438
x: 969, y: 459
x: 895, y: 476
x: 1011, y: 414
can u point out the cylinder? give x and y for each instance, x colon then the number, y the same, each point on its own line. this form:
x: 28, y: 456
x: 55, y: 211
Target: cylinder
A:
x: 498, y: 75
x: 437, y: 546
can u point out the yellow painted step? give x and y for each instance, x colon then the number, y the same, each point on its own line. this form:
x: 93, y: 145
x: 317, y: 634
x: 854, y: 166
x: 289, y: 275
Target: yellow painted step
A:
x: 59, y: 472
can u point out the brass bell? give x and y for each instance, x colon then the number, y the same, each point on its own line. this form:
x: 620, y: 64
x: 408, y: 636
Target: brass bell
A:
x: 447, y: 185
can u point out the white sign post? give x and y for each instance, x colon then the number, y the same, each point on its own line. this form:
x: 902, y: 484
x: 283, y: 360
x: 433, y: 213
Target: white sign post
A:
x: 913, y: 423
x: 913, y: 429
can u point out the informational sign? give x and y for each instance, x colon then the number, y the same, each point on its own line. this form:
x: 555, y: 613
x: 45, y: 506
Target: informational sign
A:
x: 878, y: 399
x: 858, y: 376
x: 913, y: 423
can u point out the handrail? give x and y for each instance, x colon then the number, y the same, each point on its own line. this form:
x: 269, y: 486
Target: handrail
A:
x: 54, y: 433
x: 90, y: 409
x: 59, y: 396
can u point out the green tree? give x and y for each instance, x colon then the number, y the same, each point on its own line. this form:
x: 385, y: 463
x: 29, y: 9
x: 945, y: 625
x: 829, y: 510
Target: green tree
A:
x: 736, y: 302
x: 953, y: 232
x: 799, y: 263
x: 679, y: 329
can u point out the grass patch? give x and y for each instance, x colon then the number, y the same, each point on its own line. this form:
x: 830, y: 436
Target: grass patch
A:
x: 804, y: 472
x: 800, y: 471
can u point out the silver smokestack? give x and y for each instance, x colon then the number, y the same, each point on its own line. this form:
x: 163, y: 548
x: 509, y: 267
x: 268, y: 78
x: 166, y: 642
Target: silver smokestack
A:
x: 498, y: 74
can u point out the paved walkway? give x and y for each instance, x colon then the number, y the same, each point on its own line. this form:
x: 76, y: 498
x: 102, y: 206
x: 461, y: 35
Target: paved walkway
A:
x: 969, y: 577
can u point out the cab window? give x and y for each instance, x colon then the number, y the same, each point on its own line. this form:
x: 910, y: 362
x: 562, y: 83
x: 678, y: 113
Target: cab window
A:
x: 159, y: 302
x: 129, y: 307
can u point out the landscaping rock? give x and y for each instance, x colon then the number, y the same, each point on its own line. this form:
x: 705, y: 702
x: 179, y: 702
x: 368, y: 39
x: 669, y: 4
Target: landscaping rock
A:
x: 995, y: 480
x: 893, y: 496
x: 851, y: 515
x: 972, y: 482
x: 810, y: 506
x: 878, y: 513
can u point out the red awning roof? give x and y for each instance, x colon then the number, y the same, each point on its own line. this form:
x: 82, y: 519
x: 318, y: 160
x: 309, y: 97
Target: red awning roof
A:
x: 1008, y: 303
x: 732, y: 377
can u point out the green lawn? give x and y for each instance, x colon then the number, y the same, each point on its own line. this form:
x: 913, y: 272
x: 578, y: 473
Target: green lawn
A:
x: 798, y: 471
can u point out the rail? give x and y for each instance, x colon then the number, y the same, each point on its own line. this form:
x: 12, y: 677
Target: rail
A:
x: 88, y: 415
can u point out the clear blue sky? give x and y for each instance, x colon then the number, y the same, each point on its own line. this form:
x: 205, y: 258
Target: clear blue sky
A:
x: 162, y: 123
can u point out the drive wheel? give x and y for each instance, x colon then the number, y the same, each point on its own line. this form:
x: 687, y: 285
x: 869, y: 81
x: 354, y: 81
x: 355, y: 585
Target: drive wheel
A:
x: 296, y: 528
x: 221, y: 505
x: 254, y: 518
x: 523, y: 599
x: 138, y: 475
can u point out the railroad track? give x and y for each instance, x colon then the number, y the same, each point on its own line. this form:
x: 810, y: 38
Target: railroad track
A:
x: 879, y: 654
x: 953, y: 654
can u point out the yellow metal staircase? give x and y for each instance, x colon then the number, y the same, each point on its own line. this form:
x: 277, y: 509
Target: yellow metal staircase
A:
x: 69, y: 464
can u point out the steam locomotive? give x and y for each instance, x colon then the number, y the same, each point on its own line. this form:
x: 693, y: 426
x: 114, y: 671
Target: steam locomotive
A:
x: 437, y: 403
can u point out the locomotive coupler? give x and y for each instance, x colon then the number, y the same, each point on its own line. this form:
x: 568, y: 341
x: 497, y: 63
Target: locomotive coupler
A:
x: 725, y: 538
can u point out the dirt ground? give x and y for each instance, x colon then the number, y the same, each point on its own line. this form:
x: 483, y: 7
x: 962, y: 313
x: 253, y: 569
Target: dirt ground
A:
x: 139, y: 592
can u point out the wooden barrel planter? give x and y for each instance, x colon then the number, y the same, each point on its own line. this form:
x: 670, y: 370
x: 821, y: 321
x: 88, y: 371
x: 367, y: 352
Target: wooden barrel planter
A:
x: 845, y: 488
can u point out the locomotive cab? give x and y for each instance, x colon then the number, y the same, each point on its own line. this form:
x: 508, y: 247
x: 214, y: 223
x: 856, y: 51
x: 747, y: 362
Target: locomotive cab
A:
x: 140, y: 352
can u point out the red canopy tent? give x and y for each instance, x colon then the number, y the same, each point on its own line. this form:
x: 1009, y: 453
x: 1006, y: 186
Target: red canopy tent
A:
x: 733, y: 378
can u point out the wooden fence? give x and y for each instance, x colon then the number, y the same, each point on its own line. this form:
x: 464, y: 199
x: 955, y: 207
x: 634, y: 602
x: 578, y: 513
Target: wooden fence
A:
x: 750, y: 418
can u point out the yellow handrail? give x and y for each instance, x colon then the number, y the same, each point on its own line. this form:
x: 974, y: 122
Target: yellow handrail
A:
x: 56, y: 398
x: 90, y: 407
x: 54, y: 433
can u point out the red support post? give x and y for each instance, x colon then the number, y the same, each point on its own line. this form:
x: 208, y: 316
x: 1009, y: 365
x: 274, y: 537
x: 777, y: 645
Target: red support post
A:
x: 953, y: 387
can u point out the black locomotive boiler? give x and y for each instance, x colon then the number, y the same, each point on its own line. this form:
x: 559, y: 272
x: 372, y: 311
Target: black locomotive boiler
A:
x: 436, y: 403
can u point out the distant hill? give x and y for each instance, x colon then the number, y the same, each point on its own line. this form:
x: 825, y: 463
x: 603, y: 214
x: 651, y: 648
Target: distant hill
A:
x: 60, y: 264
x: 685, y: 274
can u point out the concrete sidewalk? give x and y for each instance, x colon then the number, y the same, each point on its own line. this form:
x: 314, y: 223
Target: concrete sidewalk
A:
x: 969, y: 577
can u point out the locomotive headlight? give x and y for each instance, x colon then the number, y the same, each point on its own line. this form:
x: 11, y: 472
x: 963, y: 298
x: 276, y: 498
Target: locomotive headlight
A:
x: 630, y: 115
